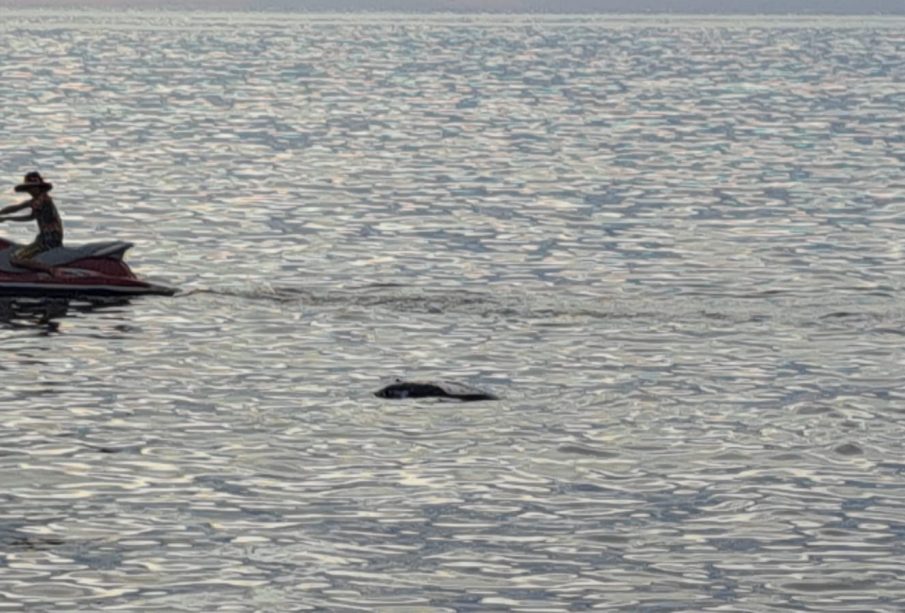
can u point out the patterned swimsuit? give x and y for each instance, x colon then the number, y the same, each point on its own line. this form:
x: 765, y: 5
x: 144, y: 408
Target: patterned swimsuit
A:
x: 50, y: 227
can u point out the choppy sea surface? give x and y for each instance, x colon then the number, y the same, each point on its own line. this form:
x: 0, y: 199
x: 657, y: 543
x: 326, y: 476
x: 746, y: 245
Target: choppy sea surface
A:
x: 672, y: 246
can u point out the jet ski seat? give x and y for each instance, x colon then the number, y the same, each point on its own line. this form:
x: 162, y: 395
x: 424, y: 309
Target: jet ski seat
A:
x: 61, y: 256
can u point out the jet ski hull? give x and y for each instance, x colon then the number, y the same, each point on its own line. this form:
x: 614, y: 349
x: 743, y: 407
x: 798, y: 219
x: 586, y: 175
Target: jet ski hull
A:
x: 65, y: 289
x: 91, y: 270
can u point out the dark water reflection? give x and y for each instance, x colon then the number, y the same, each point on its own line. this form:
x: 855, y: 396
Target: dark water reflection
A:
x: 671, y: 247
x: 46, y: 314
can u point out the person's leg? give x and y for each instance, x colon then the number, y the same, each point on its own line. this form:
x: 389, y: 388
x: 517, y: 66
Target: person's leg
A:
x: 24, y: 258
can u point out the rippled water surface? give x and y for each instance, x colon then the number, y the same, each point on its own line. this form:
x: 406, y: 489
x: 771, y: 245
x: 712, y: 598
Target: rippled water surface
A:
x: 673, y: 248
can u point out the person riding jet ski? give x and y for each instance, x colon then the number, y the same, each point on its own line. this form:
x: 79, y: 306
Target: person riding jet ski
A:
x: 41, y: 209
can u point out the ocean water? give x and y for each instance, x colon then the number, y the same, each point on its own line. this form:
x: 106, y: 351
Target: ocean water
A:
x: 672, y: 246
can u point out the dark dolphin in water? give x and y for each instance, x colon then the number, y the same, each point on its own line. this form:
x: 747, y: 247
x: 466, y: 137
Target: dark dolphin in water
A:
x: 432, y: 389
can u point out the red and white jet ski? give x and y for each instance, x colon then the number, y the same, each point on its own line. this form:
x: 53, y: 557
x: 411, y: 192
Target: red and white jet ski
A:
x: 95, y: 269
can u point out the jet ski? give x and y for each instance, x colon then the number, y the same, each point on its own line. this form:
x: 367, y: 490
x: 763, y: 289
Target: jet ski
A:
x: 94, y: 269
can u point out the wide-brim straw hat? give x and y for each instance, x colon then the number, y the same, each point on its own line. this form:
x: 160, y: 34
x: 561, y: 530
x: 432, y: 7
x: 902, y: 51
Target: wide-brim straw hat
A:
x: 33, y: 179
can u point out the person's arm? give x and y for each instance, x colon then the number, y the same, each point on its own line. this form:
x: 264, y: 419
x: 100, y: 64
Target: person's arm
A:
x: 15, y: 207
x: 28, y: 217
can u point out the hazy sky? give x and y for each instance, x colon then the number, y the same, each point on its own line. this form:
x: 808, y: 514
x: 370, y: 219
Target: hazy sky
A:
x: 865, y: 7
